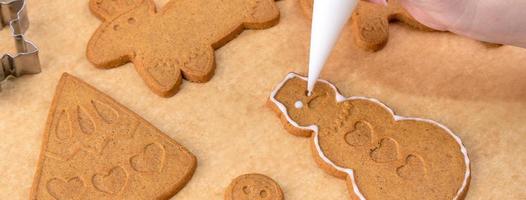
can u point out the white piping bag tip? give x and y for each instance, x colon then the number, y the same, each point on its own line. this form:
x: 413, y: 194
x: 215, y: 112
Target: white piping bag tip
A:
x: 328, y: 19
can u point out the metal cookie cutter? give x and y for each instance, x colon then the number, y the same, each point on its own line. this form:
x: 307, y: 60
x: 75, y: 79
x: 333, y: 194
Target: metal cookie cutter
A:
x: 25, y: 61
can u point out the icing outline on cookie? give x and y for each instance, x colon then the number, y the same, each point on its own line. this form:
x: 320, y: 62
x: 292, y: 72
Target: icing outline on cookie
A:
x: 341, y: 98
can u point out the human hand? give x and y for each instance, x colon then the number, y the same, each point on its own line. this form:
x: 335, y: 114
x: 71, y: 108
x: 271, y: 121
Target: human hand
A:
x: 501, y: 22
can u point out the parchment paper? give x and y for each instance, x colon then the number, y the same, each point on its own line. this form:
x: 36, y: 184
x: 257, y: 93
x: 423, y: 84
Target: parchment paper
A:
x: 478, y: 92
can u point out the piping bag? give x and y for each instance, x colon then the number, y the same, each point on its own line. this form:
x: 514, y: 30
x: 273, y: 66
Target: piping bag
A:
x: 328, y: 19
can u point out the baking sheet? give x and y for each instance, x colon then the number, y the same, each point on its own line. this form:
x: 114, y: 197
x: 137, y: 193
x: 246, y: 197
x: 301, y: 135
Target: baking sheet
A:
x: 478, y: 92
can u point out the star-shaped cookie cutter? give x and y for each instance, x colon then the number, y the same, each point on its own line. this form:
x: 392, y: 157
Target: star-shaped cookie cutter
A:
x: 25, y: 61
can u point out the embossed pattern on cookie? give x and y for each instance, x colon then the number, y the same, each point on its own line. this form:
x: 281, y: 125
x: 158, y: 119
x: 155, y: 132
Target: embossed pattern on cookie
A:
x: 95, y: 148
x: 380, y: 154
x: 253, y: 187
x: 112, y: 182
x: 61, y: 189
x: 176, y: 42
x: 150, y: 160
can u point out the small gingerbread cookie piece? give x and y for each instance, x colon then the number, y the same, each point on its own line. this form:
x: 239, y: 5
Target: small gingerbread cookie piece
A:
x: 370, y: 22
x: 95, y: 148
x: 253, y: 187
x: 176, y: 42
x: 380, y: 154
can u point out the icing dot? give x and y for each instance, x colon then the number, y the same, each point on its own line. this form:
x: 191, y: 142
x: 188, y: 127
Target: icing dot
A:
x: 298, y: 104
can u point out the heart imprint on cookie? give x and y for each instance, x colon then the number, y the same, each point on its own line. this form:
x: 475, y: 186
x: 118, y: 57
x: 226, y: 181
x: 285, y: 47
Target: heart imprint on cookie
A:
x: 361, y: 134
x: 387, y: 151
x: 150, y: 160
x: 113, y: 182
x: 412, y: 169
x: 61, y: 189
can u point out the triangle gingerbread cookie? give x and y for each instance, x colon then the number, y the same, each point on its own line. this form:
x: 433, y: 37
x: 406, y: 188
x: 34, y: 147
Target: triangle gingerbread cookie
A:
x: 95, y: 148
x: 381, y: 155
x: 176, y: 42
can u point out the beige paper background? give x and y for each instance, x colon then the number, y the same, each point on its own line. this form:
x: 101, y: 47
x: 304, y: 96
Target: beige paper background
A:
x: 479, y: 92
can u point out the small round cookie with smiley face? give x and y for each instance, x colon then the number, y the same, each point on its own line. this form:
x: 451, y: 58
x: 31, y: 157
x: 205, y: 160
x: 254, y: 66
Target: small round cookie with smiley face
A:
x: 253, y: 187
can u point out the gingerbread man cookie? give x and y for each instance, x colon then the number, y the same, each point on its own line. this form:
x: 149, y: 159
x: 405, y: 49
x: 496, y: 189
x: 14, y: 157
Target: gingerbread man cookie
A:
x: 176, y: 42
x: 381, y: 155
x: 370, y: 22
x: 253, y: 187
x: 95, y: 148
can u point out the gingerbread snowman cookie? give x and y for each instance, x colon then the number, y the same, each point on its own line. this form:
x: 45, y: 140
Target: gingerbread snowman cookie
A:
x: 381, y: 155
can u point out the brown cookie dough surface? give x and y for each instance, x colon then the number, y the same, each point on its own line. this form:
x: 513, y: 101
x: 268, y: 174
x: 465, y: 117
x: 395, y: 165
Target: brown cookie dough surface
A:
x: 253, y: 187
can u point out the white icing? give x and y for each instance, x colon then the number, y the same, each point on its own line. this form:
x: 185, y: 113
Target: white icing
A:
x: 341, y: 98
x: 298, y: 104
